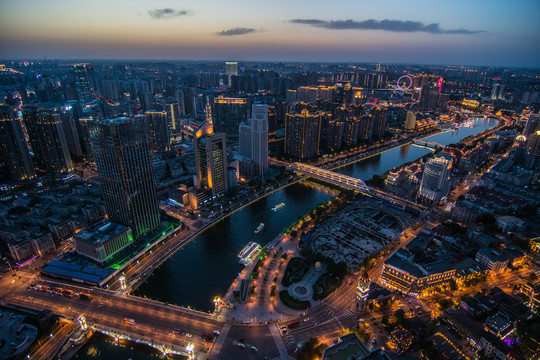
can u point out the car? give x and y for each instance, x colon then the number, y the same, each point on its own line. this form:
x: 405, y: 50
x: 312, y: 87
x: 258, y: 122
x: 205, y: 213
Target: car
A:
x: 373, y: 318
x: 254, y: 348
x: 241, y: 345
x: 284, y: 331
x: 189, y: 335
x: 374, y: 341
x: 215, y: 332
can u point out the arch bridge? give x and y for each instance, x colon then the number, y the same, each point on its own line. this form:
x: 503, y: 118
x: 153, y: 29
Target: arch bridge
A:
x: 330, y: 176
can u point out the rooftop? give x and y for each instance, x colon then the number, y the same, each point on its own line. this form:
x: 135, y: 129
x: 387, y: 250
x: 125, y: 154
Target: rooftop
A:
x: 101, y: 232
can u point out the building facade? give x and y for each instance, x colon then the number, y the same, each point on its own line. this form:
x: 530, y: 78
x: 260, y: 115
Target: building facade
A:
x: 211, y: 161
x: 228, y: 113
x: 102, y: 241
x: 48, y: 141
x: 436, y: 180
x: 13, y: 148
x: 124, y: 165
x: 302, y: 134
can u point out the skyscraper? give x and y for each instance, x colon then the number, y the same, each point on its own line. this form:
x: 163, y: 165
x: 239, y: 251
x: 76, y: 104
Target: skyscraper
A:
x: 497, y: 92
x: 211, y: 160
x: 124, y: 165
x: 82, y: 81
x: 436, y: 178
x: 302, y: 134
x: 259, y: 135
x: 410, y: 121
x: 231, y: 69
x: 173, y: 118
x: 48, y: 141
x: 380, y: 116
x: 429, y: 96
x: 14, y: 154
x: 157, y: 129
x: 228, y: 113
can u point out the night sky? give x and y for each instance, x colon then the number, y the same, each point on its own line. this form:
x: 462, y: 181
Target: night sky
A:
x: 460, y: 32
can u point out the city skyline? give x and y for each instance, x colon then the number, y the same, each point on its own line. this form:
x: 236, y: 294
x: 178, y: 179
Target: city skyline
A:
x: 463, y: 33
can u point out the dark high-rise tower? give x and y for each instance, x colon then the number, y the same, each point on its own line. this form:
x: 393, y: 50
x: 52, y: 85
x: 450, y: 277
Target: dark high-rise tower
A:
x: 47, y: 139
x: 302, y: 134
x: 158, y: 131
x: 14, y: 152
x: 228, y: 113
x: 123, y: 161
x: 82, y: 81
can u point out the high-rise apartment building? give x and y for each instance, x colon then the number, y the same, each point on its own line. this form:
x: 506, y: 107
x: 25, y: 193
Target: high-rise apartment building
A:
x: 497, y: 92
x: 14, y: 154
x: 410, y: 121
x: 158, y: 130
x: 124, y: 165
x: 436, y: 180
x: 380, y: 116
x: 48, y: 141
x: 228, y: 113
x: 211, y: 160
x: 429, y: 96
x: 302, y: 134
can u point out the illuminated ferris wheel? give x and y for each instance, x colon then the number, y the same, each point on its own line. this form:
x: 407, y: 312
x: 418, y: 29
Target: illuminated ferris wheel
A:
x: 405, y: 82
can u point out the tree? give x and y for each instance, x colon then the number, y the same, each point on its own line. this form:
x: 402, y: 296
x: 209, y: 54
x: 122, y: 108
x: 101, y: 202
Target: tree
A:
x: 311, y: 350
x: 399, y: 314
x: 294, y: 233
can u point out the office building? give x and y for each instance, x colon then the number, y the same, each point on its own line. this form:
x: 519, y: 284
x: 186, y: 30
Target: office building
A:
x: 436, y: 180
x: 124, y: 165
x: 102, y: 241
x: 302, y: 134
x: 410, y: 122
x: 48, y: 141
x: 14, y: 154
x: 158, y: 130
x: 228, y: 113
x: 259, y: 136
x: 82, y: 73
x: 231, y: 69
x: 211, y: 160
x: 171, y: 109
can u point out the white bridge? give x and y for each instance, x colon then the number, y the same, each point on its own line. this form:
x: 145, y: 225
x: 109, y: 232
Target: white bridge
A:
x: 330, y: 176
x: 433, y: 145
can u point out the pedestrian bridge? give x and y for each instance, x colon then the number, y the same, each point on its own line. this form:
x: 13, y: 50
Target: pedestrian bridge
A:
x: 330, y: 176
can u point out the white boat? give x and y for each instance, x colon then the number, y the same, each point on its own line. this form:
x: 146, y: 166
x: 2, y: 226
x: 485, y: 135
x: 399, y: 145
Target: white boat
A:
x: 277, y: 207
x: 249, y: 253
x: 259, y: 228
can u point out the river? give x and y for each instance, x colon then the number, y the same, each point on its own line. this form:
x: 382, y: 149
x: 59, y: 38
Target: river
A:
x: 207, y: 266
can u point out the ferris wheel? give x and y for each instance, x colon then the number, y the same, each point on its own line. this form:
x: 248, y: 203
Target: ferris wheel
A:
x: 405, y: 82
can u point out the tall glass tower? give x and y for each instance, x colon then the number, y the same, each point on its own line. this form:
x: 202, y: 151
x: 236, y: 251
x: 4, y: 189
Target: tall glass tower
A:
x: 124, y: 165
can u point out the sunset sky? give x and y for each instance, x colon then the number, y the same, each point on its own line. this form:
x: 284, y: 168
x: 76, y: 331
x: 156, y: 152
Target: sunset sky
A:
x: 471, y: 32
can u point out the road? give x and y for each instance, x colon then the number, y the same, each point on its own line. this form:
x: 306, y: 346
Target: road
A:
x: 50, y: 347
x: 165, y: 323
